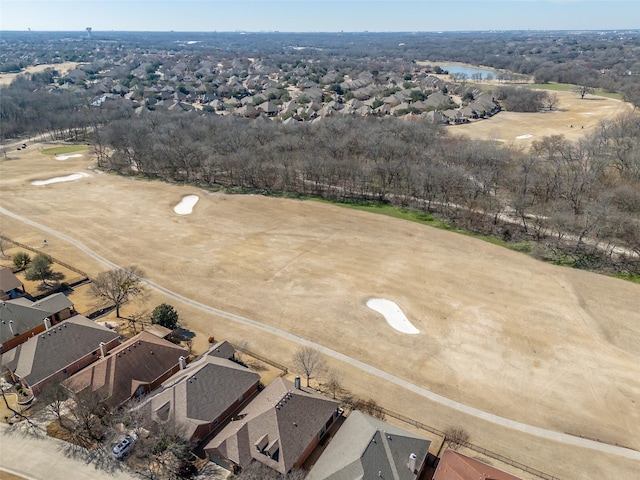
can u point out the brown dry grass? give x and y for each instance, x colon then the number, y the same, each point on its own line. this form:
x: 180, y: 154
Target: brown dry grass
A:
x: 571, y: 110
x: 544, y: 345
x: 9, y: 476
x: 7, y: 78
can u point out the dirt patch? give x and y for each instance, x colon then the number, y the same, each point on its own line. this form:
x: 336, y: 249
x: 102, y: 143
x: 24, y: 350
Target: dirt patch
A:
x: 500, y: 331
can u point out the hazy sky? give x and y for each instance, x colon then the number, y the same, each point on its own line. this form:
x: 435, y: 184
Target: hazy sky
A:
x: 319, y: 15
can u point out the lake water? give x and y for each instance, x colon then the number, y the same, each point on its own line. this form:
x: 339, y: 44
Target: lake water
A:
x: 468, y: 71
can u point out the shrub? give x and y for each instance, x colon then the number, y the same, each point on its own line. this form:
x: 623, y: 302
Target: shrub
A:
x: 21, y: 260
x: 165, y: 315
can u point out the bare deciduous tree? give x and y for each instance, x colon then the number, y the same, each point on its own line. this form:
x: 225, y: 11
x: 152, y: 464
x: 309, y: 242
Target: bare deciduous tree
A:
x: 583, y: 90
x: 370, y: 407
x: 334, y: 382
x: 308, y: 361
x: 3, y: 245
x: 118, y: 286
x: 241, y: 347
x: 456, y: 437
x: 54, y: 396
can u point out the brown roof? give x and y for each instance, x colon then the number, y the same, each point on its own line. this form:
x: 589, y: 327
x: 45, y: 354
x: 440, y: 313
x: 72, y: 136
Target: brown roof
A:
x: 456, y: 466
x: 282, y: 421
x: 8, y: 281
x: 139, y: 361
x: 158, y: 330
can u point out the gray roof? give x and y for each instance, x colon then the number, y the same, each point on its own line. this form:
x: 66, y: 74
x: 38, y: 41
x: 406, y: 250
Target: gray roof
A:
x: 17, y: 318
x: 54, y: 350
x: 27, y: 315
x: 222, y: 349
x: 53, y: 303
x: 200, y: 393
x: 280, y: 418
x: 365, y: 446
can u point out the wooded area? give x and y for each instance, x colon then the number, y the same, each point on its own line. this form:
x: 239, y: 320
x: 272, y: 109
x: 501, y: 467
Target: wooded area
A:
x: 576, y: 201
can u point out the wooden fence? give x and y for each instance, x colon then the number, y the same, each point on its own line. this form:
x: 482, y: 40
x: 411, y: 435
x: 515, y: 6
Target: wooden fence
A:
x: 257, y: 356
x: 35, y: 250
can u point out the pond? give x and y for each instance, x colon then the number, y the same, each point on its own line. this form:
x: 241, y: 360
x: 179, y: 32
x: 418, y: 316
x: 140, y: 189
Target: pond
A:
x: 468, y: 71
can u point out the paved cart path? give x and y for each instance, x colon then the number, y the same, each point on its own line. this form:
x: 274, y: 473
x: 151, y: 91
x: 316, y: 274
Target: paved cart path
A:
x: 461, y: 407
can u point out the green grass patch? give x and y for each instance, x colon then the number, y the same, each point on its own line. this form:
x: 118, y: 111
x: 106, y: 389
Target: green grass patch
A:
x: 426, y: 218
x: 630, y: 277
x: 65, y: 149
x: 565, y: 87
x: 557, y: 87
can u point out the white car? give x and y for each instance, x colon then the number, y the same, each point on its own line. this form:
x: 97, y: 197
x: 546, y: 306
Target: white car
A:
x: 125, y: 446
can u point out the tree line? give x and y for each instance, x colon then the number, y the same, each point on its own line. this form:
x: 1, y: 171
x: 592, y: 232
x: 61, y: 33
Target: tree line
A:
x: 576, y: 202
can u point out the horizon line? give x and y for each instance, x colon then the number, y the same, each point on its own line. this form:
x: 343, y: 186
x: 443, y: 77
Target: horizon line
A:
x: 241, y: 31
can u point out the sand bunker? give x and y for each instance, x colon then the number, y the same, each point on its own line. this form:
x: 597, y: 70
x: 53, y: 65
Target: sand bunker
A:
x: 522, y: 137
x: 66, y: 157
x: 393, y: 315
x: 185, y: 207
x: 68, y: 178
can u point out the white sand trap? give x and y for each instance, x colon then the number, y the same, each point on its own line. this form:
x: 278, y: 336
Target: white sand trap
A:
x: 185, y: 207
x: 393, y: 315
x: 522, y: 137
x: 68, y: 178
x: 67, y: 157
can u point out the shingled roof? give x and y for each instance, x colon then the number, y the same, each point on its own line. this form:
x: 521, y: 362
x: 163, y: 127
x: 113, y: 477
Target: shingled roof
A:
x: 456, y: 466
x: 200, y: 394
x: 16, y: 318
x: 8, y: 281
x: 276, y: 428
x: 137, y: 363
x: 365, y: 446
x: 56, y: 349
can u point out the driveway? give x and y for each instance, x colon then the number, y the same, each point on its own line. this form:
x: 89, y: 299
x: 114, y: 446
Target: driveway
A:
x: 38, y: 457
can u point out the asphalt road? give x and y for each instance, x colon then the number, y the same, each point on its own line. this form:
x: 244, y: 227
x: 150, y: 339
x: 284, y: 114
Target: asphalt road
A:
x: 38, y: 457
x: 461, y: 407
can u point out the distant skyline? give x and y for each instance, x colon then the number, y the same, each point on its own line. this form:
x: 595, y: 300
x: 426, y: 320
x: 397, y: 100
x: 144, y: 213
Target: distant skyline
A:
x: 318, y: 15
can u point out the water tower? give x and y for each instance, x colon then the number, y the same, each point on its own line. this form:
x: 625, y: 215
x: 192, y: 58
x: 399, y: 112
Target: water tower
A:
x: 88, y: 32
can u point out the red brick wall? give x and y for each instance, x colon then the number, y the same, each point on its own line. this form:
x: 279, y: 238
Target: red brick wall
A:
x: 23, y: 337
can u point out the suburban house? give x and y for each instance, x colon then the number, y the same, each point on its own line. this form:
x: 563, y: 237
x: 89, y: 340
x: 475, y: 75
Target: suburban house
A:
x: 367, y: 447
x: 201, y: 396
x: 456, y: 466
x: 10, y: 285
x: 130, y: 370
x: 58, y: 352
x: 280, y: 427
x: 21, y: 318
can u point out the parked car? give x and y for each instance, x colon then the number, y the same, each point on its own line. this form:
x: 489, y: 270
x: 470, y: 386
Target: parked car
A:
x: 125, y: 446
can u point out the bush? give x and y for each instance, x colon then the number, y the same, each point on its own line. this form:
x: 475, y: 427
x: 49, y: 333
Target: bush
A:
x: 165, y: 315
x: 21, y: 260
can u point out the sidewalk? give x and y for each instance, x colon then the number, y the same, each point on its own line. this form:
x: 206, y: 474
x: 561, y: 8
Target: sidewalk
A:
x: 38, y: 457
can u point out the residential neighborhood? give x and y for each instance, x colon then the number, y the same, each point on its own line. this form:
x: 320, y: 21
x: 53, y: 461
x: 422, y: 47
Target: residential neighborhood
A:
x: 335, y: 255
x: 213, y: 403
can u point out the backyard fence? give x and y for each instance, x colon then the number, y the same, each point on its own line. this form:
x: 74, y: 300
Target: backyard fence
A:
x: 35, y: 250
x: 257, y: 356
